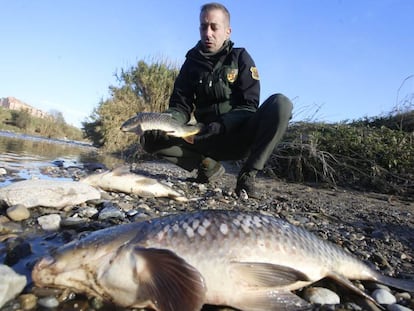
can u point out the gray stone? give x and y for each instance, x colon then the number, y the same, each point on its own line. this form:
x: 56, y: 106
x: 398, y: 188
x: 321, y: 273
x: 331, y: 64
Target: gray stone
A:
x: 111, y: 212
x: 383, y: 296
x: 48, y: 302
x: 27, y: 301
x: 88, y: 212
x: 322, y: 296
x: 48, y: 193
x: 73, y: 222
x: 18, y: 213
x: 11, y: 284
x: 50, y: 222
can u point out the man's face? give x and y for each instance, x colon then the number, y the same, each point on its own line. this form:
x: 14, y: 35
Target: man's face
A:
x: 214, y: 30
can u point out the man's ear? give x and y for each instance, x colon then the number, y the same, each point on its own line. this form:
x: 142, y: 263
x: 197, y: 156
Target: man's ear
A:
x: 228, y: 32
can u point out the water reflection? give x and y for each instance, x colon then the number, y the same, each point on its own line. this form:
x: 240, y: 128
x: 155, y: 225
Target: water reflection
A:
x: 25, y: 155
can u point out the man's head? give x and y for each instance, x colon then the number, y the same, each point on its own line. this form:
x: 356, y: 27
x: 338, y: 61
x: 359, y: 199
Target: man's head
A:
x: 214, y: 26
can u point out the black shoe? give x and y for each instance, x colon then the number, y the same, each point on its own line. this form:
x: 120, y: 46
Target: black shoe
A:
x: 209, y: 171
x: 247, y: 182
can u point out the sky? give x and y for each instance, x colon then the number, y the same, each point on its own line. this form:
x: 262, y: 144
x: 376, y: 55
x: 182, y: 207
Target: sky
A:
x: 337, y: 60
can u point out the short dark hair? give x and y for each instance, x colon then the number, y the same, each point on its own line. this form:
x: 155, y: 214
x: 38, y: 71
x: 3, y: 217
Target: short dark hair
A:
x: 215, y: 6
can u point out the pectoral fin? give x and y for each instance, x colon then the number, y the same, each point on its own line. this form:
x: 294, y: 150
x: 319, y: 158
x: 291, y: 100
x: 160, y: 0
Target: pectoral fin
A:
x: 168, y: 281
x: 266, y: 274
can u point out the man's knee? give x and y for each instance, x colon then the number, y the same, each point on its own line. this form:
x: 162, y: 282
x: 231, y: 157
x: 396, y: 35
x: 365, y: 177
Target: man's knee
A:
x: 278, y: 104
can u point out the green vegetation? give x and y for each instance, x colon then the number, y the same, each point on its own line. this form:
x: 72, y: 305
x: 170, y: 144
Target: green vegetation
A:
x: 23, y: 122
x: 146, y: 87
x: 375, y: 154
x: 370, y: 154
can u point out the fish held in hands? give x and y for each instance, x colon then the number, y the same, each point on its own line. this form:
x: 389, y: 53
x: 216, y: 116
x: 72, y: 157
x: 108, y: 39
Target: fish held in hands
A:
x: 249, y: 261
x: 145, y: 121
x: 123, y: 180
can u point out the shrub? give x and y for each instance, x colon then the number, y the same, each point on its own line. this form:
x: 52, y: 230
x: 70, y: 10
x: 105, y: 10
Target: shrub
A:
x: 21, y: 119
x: 146, y: 87
x: 357, y: 155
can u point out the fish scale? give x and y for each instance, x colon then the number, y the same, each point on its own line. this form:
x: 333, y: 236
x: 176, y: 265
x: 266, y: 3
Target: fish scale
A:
x: 240, y: 228
x: 250, y: 261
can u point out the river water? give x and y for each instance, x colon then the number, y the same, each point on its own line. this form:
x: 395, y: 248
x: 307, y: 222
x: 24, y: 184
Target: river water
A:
x: 26, y: 156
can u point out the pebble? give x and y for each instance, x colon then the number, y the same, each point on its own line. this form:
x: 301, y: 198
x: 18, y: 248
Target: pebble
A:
x: 111, y: 212
x: 322, y: 296
x: 49, y: 222
x: 27, y: 301
x: 97, y: 303
x: 384, y: 297
x: 403, y: 296
x: 140, y: 216
x: 73, y: 222
x: 10, y: 227
x: 3, y: 171
x: 397, y: 307
x: 48, y: 302
x: 66, y: 295
x: 88, y: 212
x: 353, y: 306
x: 18, y: 212
x: 202, y: 187
x: 125, y: 206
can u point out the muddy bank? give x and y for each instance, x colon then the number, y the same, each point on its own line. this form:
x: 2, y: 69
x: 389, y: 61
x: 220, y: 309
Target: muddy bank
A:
x: 377, y: 228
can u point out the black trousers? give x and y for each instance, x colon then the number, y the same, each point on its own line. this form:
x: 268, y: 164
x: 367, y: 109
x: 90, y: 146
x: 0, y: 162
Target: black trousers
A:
x: 255, y: 139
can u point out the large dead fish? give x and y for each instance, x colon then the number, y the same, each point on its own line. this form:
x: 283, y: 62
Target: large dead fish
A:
x: 249, y: 261
x: 123, y: 180
x: 145, y: 121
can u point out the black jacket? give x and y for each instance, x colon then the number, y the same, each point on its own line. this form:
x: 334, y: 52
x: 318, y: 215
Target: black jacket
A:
x: 221, y: 87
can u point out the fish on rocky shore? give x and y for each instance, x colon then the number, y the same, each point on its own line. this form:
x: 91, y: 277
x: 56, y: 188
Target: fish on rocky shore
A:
x: 249, y: 261
x: 123, y: 180
x: 146, y: 121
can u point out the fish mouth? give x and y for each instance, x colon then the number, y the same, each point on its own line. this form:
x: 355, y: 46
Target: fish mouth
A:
x: 48, y: 272
x: 43, y: 272
x: 132, y: 128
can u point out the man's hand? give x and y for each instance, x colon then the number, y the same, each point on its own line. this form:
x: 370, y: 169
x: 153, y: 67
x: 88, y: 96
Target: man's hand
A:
x: 212, y: 129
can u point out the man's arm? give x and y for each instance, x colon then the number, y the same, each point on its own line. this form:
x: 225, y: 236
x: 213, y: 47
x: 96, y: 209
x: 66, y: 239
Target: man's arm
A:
x: 246, y: 93
x: 181, y: 99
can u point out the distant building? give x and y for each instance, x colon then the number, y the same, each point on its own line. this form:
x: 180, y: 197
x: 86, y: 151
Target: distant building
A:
x: 15, y: 104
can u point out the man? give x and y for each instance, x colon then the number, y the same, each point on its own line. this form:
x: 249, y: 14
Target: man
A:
x: 220, y: 85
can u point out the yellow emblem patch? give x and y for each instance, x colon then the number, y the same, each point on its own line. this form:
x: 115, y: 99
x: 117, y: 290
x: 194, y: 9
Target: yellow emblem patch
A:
x: 232, y: 75
x: 255, y: 73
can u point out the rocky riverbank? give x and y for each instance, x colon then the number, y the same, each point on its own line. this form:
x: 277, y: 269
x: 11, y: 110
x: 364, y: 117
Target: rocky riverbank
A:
x: 377, y: 228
